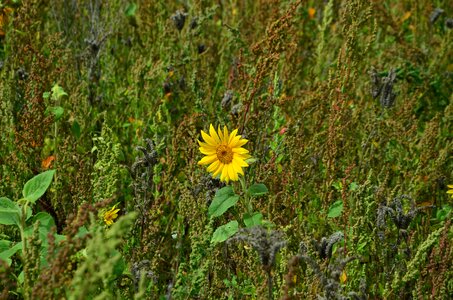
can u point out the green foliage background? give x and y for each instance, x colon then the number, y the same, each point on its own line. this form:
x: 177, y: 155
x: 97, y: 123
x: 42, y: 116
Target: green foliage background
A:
x: 84, y: 83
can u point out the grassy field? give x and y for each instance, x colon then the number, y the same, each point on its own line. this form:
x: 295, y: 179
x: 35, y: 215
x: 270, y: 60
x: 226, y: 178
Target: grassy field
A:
x: 326, y: 173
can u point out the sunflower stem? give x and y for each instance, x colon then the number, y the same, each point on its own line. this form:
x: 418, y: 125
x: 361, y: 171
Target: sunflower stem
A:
x: 248, y: 203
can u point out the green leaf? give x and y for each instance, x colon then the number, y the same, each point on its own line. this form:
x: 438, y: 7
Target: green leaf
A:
x: 258, y: 189
x: 57, y: 111
x: 353, y: 186
x: 4, y: 245
x: 441, y: 214
x: 119, y: 266
x: 338, y: 185
x: 253, y: 220
x: 37, y: 186
x: 131, y: 9
x: 224, y: 199
x: 5, y: 255
x: 9, y: 212
x: 29, y: 213
x: 251, y: 160
x: 224, y: 232
x: 335, y: 209
x: 45, y: 220
x: 21, y: 278
x: 58, y: 92
x: 82, y: 232
x: 75, y: 129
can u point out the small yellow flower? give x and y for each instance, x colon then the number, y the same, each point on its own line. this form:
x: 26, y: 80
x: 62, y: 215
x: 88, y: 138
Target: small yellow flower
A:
x: 343, y: 277
x: 311, y: 12
x: 450, y: 191
x: 111, y: 215
x: 224, y: 153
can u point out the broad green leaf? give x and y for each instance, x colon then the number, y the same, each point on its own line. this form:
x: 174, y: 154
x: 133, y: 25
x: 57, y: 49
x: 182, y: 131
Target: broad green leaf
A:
x: 9, y: 212
x: 335, y: 209
x: 253, y: 220
x: 224, y: 199
x: 257, y: 189
x: 5, y: 255
x: 45, y: 220
x: 57, y: 111
x: 37, y: 186
x: 224, y: 232
x: 42, y: 232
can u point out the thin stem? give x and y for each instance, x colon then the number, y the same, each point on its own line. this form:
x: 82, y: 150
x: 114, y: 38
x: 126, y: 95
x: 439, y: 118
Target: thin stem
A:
x: 269, y: 285
x: 248, y: 203
x: 23, y: 218
x: 56, y: 157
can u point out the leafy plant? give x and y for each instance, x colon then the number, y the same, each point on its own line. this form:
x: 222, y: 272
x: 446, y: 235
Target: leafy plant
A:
x: 19, y: 213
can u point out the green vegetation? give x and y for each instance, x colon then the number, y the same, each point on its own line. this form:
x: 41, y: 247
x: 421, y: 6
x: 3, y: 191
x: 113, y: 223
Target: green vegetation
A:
x: 346, y: 106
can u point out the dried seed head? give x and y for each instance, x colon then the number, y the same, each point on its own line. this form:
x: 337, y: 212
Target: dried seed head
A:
x: 236, y: 109
x: 179, y: 18
x: 266, y: 242
x: 325, y: 245
x: 387, y: 95
x: 139, y: 269
x: 201, y: 48
x: 226, y: 100
x: 193, y: 23
x: 376, y: 85
x: 435, y: 15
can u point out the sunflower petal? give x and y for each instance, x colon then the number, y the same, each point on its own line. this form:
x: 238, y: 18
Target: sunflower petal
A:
x: 206, y: 145
x: 208, y: 159
x: 207, y: 151
x: 226, y: 135
x: 231, y: 172
x: 208, y: 139
x: 219, y: 170
x: 224, y: 175
x: 232, y: 136
x: 240, y: 162
x: 220, y: 133
x: 237, y: 168
x: 214, y: 134
x: 240, y: 150
x: 241, y: 142
x: 214, y: 166
x: 234, y: 141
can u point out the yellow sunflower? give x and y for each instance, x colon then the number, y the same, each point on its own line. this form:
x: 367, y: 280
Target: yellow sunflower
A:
x: 450, y: 191
x: 224, y: 153
x: 111, y: 215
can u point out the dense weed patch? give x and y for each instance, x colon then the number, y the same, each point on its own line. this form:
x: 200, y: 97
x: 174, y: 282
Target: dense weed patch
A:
x: 335, y: 185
